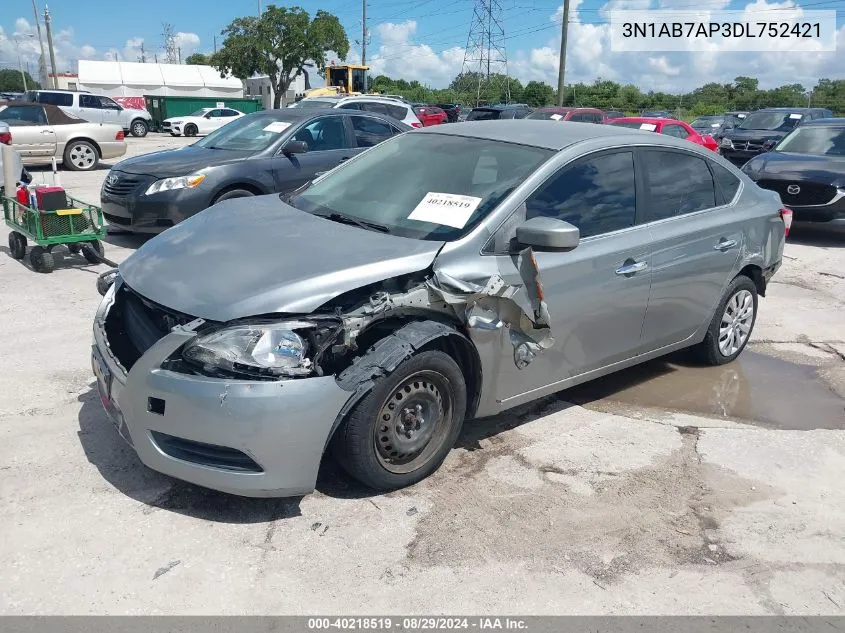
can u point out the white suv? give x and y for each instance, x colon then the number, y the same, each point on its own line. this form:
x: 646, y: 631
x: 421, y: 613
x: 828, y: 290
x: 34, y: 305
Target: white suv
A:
x: 94, y: 108
x: 396, y: 108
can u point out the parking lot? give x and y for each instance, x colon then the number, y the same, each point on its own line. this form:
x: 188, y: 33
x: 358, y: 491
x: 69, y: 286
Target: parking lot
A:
x: 665, y: 489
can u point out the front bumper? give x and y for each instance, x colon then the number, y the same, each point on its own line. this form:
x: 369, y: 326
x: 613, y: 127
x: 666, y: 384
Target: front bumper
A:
x: 249, y: 438
x: 151, y: 214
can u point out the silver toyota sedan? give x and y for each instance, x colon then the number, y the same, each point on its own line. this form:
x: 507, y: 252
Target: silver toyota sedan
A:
x: 447, y: 274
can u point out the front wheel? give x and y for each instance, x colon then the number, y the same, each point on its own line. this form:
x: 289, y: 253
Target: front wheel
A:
x: 139, y: 128
x: 41, y: 259
x: 401, y: 431
x: 190, y: 130
x: 732, y: 324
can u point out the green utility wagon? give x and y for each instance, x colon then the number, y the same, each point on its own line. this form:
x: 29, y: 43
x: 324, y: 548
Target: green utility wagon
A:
x: 80, y: 225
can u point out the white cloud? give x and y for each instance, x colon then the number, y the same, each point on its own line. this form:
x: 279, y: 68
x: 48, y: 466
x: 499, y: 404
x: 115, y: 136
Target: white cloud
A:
x: 399, y: 56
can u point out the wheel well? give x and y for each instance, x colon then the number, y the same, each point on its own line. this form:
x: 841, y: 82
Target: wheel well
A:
x: 755, y: 274
x: 464, y: 353
x: 245, y: 186
x: 87, y: 140
x: 139, y: 118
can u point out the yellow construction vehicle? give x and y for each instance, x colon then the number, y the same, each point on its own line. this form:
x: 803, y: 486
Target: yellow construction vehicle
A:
x: 347, y: 79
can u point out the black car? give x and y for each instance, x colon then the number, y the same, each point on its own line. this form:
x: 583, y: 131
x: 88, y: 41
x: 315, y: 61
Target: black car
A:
x: 807, y: 169
x: 452, y: 110
x: 272, y: 151
x: 715, y: 126
x: 760, y: 131
x: 657, y: 114
x: 492, y: 112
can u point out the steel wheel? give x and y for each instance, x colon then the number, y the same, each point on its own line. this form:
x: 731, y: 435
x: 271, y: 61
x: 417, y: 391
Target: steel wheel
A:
x: 412, y: 422
x: 81, y: 156
x: 737, y: 320
x: 139, y: 128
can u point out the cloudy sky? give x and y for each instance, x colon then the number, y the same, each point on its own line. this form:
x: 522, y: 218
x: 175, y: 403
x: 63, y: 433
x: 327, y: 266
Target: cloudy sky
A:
x: 426, y: 39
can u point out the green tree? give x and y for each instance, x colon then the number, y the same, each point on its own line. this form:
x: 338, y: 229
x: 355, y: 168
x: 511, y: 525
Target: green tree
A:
x: 11, y: 81
x: 279, y: 44
x: 538, y: 94
x: 199, y: 59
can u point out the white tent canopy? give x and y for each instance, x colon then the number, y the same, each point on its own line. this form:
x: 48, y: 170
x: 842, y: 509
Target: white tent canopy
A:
x: 131, y: 79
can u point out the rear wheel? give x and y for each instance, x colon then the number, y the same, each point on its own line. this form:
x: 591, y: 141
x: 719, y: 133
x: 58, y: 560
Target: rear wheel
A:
x: 401, y: 431
x: 41, y: 260
x: 81, y: 156
x: 732, y: 324
x: 92, y: 248
x: 17, y: 245
x: 139, y: 128
x: 191, y: 130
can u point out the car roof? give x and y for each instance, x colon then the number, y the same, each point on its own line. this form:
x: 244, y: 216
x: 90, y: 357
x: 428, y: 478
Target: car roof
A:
x: 789, y: 110
x: 829, y: 122
x: 502, y: 106
x: 647, y: 119
x: 540, y: 133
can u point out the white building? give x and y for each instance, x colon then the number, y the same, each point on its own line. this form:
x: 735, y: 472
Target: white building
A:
x: 260, y: 86
x: 133, y: 79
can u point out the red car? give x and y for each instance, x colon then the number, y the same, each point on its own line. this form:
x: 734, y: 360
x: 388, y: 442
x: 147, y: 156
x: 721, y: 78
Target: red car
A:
x: 670, y: 127
x: 430, y: 115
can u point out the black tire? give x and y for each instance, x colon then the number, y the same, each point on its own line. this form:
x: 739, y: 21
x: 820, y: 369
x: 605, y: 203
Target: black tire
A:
x: 709, y: 350
x: 190, y: 130
x: 173, y: 134
x: 17, y: 245
x: 41, y: 260
x: 74, y: 248
x: 139, y: 128
x: 97, y: 247
x: 234, y: 193
x: 364, y: 443
x: 81, y: 156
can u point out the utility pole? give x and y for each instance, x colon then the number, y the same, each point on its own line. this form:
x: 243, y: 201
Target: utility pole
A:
x: 215, y: 43
x: 20, y: 65
x: 42, y: 66
x: 179, y: 54
x: 562, y: 67
x: 47, y: 24
x: 364, y: 40
x: 259, y: 8
x: 143, y: 57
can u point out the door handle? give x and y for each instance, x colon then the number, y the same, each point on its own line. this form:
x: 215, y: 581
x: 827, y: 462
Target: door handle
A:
x: 724, y: 245
x: 630, y: 267
x: 46, y: 131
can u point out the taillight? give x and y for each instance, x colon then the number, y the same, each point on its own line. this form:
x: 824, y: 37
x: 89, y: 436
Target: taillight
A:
x: 119, y: 136
x: 416, y: 124
x: 6, y: 138
x: 786, y: 216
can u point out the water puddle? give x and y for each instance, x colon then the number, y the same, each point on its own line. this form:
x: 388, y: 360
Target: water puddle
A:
x: 755, y: 388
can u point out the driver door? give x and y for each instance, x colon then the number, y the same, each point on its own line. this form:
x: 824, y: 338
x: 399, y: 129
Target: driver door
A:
x: 111, y: 112
x: 329, y: 144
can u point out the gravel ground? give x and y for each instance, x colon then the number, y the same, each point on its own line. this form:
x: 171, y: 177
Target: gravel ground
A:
x: 722, y: 496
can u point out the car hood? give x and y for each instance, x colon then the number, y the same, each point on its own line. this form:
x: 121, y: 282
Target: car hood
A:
x: 258, y: 256
x: 788, y: 166
x: 180, y: 162
x: 756, y: 136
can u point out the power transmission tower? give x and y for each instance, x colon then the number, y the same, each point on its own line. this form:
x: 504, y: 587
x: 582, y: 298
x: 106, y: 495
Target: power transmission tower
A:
x: 142, y: 57
x: 170, y: 47
x: 485, y: 69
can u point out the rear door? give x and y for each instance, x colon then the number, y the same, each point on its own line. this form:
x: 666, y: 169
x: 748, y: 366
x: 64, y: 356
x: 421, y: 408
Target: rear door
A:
x: 330, y: 143
x: 369, y: 131
x: 697, y: 238
x: 32, y: 137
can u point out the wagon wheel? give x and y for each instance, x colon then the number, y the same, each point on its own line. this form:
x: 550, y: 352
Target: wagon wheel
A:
x: 17, y: 245
x: 94, y: 252
x: 74, y: 248
x: 41, y: 260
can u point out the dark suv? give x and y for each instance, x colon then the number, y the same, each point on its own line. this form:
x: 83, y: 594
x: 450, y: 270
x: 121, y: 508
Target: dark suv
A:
x: 491, y: 112
x: 452, y: 110
x: 760, y: 131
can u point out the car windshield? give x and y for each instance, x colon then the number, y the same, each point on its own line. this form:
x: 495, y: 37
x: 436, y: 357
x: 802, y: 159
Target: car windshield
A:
x: 707, y: 121
x: 247, y: 133
x: 200, y: 112
x: 814, y: 140
x: 423, y: 186
x: 770, y: 121
x: 483, y: 115
x: 314, y: 103
x: 546, y: 115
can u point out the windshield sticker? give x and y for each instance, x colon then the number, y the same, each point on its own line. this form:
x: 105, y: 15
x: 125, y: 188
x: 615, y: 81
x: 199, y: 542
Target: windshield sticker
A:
x: 448, y: 209
x: 556, y: 117
x: 277, y: 127
x: 795, y: 116
x: 648, y: 126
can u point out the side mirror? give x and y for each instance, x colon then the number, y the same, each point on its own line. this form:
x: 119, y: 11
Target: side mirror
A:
x: 548, y: 234
x: 207, y: 116
x: 295, y: 147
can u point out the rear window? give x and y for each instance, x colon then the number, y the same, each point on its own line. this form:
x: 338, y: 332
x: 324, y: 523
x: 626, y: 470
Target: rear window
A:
x: 396, y: 111
x: 483, y: 115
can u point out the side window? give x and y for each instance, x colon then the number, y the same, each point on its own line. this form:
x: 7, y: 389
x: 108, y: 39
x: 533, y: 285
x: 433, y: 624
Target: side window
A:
x: 375, y: 106
x: 674, y: 130
x: 577, y: 117
x: 726, y: 184
x: 598, y: 195
x: 664, y: 170
x: 230, y: 113
x: 89, y: 101
x: 351, y: 106
x: 215, y: 114
x: 19, y: 117
x: 323, y: 134
x: 55, y: 98
x: 370, y: 131
x: 108, y: 104
x: 397, y: 112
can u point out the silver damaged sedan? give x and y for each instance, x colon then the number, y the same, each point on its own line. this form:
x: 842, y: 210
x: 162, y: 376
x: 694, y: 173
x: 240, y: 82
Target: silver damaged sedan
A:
x: 446, y: 274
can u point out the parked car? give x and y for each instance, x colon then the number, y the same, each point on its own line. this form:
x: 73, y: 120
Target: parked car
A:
x: 376, y: 309
x: 554, y: 113
x: 430, y: 115
x: 6, y: 139
x: 203, y: 121
x: 491, y: 112
x: 737, y: 114
x: 807, y: 170
x: 669, y: 127
x: 94, y: 108
x: 715, y: 126
x: 657, y: 114
x: 613, y: 114
x: 387, y: 106
x: 259, y: 153
x: 760, y: 131
x: 43, y: 132
x: 452, y: 110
